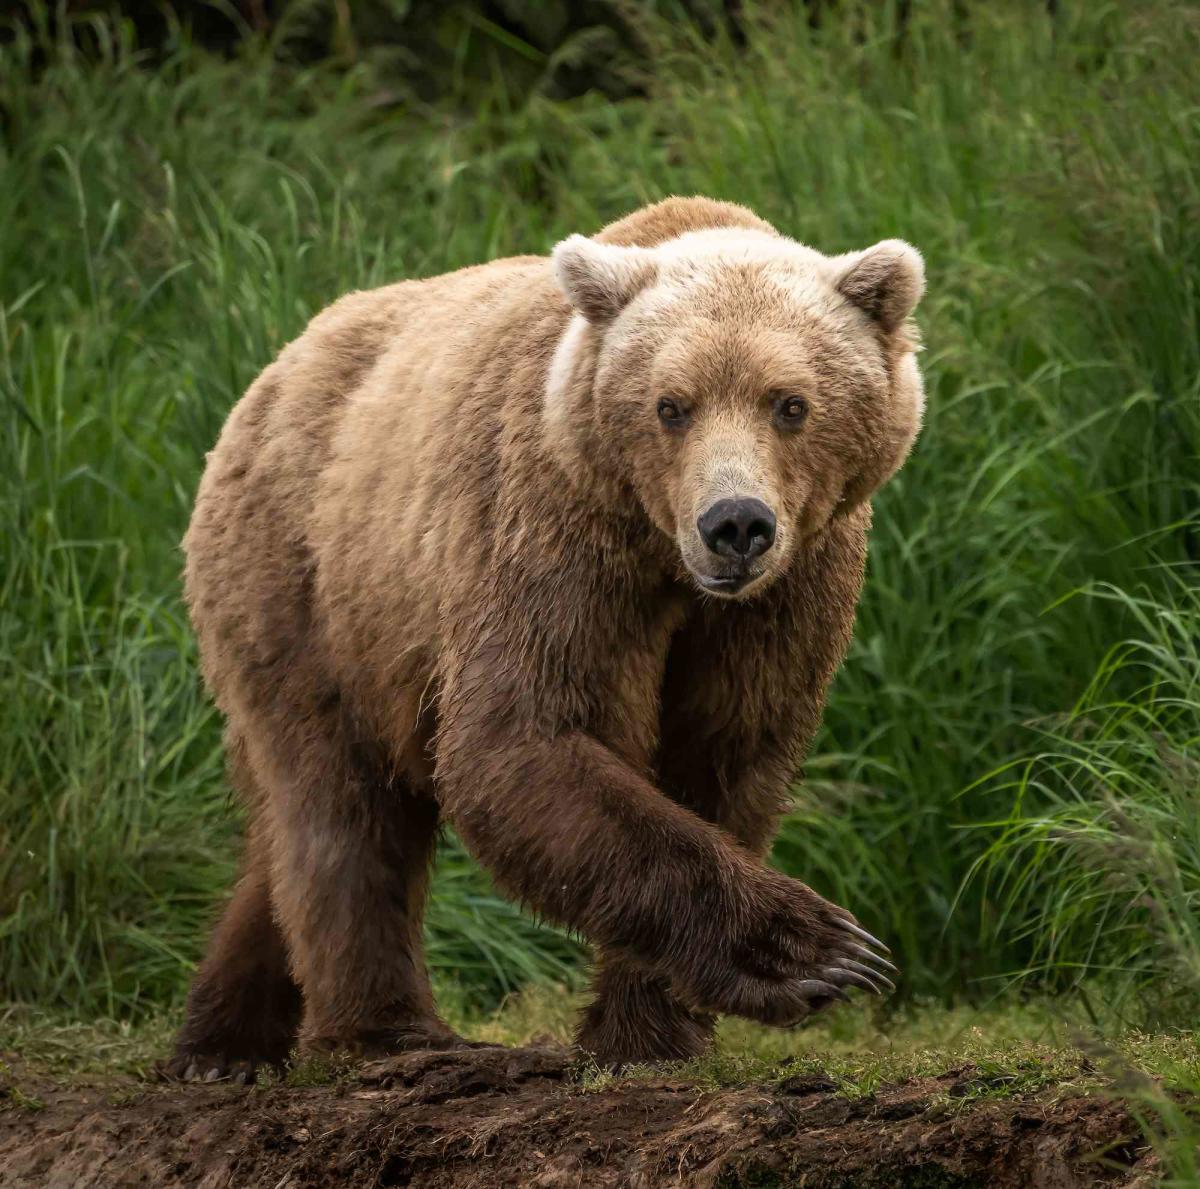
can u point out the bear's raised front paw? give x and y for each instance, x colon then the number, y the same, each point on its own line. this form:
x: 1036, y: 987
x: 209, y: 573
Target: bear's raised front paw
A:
x: 797, y: 955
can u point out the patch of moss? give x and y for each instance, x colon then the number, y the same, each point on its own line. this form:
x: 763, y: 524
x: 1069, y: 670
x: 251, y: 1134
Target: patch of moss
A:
x: 322, y: 1069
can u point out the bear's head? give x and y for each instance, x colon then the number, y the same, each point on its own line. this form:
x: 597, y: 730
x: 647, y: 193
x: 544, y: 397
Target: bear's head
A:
x: 745, y: 387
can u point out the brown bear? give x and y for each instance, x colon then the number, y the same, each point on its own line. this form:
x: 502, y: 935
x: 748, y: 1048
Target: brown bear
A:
x: 563, y: 552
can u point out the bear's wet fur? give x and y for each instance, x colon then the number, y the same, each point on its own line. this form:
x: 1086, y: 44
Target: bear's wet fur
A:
x: 444, y: 566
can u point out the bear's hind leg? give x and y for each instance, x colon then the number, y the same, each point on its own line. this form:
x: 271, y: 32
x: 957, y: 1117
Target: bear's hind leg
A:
x: 353, y: 847
x: 244, y: 1007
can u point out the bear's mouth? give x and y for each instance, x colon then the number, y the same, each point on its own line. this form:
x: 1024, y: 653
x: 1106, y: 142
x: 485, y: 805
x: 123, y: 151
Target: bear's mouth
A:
x: 727, y: 584
x: 724, y: 585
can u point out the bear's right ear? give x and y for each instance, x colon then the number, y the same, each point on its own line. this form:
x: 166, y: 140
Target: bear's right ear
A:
x: 600, y: 280
x: 885, y: 281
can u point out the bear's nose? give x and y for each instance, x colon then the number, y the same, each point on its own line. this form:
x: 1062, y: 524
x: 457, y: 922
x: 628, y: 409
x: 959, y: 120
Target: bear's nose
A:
x: 738, y: 528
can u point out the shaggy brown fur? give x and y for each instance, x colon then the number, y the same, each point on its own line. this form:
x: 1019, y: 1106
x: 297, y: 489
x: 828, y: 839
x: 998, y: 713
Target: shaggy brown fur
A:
x: 445, y: 565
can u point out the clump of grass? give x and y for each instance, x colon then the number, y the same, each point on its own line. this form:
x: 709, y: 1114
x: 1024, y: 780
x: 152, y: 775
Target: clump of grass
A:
x: 1097, y: 866
x: 60, y: 1045
x: 326, y: 1069
x: 538, y: 1012
x: 14, y: 1098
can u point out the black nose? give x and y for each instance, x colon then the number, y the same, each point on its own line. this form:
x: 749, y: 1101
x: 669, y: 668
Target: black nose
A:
x: 738, y: 528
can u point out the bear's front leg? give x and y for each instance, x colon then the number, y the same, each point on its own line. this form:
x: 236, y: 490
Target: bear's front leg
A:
x: 570, y: 829
x: 741, y: 699
x: 634, y: 1018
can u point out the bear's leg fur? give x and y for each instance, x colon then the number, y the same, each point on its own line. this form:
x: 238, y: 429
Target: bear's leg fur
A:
x: 244, y: 1007
x: 633, y: 1019
x: 703, y: 763
x: 352, y: 850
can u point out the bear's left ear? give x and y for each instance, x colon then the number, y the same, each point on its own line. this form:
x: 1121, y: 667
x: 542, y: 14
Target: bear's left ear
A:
x: 600, y: 280
x: 885, y: 281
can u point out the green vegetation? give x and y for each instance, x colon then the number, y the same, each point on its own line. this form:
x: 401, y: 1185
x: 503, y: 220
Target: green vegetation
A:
x: 1011, y: 1049
x: 1006, y: 785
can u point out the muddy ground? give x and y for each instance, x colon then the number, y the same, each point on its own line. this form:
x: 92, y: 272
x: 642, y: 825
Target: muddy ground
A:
x: 522, y: 1117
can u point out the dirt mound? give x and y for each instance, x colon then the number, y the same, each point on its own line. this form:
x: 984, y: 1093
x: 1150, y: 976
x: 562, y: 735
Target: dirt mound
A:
x: 519, y: 1117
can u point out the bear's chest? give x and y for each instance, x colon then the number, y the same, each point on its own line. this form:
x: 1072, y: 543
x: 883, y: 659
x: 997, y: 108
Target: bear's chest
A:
x: 628, y: 717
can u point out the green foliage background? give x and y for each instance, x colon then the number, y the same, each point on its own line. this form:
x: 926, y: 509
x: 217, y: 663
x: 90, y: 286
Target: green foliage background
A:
x: 1006, y: 785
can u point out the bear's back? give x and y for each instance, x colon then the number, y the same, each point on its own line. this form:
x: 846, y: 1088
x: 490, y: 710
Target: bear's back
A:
x: 299, y: 458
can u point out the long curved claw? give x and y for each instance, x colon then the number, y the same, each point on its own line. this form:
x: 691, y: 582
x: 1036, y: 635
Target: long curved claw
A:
x: 843, y: 977
x: 870, y: 972
x: 243, y: 1073
x: 815, y: 988
x: 863, y: 935
x: 871, y: 956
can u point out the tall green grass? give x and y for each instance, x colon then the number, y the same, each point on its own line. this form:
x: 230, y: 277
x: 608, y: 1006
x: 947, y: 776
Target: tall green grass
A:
x: 1097, y: 865
x: 165, y: 229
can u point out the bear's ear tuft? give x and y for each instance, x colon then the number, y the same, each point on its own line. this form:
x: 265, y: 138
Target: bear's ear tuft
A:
x: 885, y: 281
x: 600, y: 280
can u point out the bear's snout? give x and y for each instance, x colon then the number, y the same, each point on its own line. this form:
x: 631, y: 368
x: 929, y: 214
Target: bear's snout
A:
x: 738, y: 529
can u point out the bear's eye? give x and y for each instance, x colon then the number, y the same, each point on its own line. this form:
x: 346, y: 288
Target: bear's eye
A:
x: 669, y: 413
x: 790, y: 411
